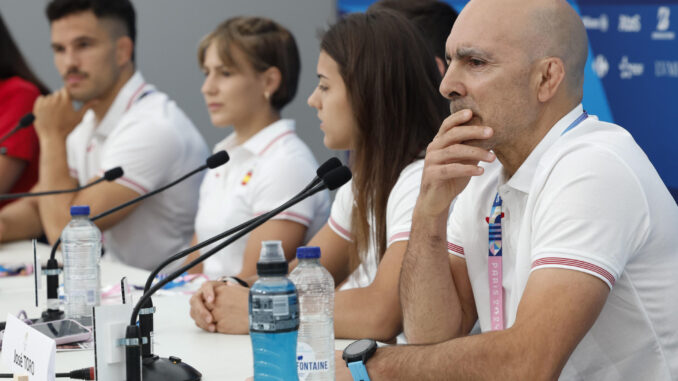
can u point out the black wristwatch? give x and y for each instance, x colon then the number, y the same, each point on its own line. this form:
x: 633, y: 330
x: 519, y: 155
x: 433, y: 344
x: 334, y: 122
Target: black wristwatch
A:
x: 356, y: 355
x: 234, y: 279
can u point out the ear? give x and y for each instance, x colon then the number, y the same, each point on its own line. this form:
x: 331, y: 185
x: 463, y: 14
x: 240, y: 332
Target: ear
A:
x: 550, y: 76
x: 123, y: 52
x: 271, y: 80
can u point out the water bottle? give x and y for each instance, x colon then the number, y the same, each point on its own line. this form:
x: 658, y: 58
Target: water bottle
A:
x: 274, y: 317
x: 315, y: 345
x: 81, y: 247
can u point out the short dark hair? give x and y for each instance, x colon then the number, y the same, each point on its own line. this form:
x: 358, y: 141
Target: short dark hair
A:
x: 434, y: 19
x: 265, y: 44
x: 118, y: 10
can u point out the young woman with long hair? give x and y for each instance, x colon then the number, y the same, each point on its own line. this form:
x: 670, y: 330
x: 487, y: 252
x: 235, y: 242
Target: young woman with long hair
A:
x: 377, y: 98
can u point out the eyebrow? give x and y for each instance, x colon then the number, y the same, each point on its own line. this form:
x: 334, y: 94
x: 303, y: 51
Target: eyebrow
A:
x: 466, y: 52
x: 322, y: 76
x: 75, y: 40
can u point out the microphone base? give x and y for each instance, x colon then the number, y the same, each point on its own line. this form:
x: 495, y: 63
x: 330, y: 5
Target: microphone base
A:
x: 52, y: 315
x: 157, y: 368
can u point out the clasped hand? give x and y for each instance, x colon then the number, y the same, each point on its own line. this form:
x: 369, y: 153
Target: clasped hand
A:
x: 221, y: 307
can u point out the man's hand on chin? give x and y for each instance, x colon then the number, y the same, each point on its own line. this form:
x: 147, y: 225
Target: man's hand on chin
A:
x: 55, y: 116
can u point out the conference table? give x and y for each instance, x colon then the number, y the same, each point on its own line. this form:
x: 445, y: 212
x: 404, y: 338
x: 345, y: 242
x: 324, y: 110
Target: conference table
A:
x: 216, y: 356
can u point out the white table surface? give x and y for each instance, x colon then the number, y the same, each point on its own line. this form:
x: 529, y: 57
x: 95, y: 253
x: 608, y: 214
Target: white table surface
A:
x: 216, y: 356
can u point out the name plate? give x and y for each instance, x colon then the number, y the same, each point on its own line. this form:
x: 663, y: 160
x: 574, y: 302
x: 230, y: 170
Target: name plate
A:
x: 28, y: 352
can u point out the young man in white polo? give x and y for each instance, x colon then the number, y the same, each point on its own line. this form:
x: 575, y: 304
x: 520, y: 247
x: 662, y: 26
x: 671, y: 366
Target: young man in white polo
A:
x: 125, y: 122
x: 563, y: 242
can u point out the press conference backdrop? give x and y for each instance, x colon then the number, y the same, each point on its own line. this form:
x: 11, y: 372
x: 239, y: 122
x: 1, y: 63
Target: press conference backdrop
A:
x: 632, y: 73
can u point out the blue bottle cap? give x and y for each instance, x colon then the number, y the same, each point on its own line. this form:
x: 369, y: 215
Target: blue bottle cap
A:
x: 308, y: 252
x: 80, y: 210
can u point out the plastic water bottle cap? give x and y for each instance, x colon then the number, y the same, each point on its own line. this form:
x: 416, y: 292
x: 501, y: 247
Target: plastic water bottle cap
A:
x: 308, y: 252
x: 271, y: 251
x: 272, y: 259
x: 80, y: 210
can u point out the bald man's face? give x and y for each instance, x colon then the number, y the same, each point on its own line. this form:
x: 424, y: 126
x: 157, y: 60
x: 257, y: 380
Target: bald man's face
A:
x: 489, y: 71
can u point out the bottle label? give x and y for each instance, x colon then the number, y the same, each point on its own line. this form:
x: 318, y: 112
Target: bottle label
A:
x: 308, y: 364
x: 274, y: 313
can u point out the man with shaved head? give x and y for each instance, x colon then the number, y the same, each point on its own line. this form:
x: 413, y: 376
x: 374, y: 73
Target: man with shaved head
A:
x: 563, y: 243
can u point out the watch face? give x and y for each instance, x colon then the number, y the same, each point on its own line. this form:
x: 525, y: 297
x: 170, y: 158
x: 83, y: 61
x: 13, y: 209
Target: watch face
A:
x: 359, y: 347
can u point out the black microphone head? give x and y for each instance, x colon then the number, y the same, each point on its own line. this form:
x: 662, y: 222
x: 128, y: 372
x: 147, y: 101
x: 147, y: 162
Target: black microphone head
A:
x: 337, y: 177
x: 327, y: 166
x: 27, y: 120
x: 113, y: 174
x: 217, y: 159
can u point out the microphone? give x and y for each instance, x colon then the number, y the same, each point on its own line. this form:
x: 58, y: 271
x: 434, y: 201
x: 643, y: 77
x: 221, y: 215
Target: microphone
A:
x: 331, y: 179
x: 110, y: 175
x: 323, y: 169
x: 24, y: 122
x: 53, y: 312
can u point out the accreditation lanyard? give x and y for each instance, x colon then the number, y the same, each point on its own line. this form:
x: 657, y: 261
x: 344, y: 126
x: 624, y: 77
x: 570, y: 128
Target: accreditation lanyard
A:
x: 494, y: 260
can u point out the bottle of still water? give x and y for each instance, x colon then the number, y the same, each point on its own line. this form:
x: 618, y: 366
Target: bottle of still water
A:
x: 274, y: 317
x: 81, y: 247
x: 315, y: 345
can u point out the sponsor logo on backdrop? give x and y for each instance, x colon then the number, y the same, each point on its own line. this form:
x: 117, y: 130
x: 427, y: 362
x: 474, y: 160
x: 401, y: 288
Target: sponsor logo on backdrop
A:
x: 600, y: 23
x: 663, y: 25
x: 666, y: 69
x: 601, y: 66
x: 629, y: 23
x: 628, y: 70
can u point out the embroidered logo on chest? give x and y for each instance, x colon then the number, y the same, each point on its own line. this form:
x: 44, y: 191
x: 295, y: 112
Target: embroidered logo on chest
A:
x: 246, y: 179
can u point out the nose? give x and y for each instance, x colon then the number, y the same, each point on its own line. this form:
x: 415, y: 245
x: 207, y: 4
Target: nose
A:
x: 208, y: 86
x: 313, y: 99
x: 452, y: 86
x: 70, y: 59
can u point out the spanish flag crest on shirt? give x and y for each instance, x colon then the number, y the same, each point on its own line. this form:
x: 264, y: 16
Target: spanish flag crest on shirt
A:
x: 246, y: 178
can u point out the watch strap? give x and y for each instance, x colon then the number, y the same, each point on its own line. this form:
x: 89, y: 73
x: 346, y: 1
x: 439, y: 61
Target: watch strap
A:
x: 358, y: 371
x: 234, y: 279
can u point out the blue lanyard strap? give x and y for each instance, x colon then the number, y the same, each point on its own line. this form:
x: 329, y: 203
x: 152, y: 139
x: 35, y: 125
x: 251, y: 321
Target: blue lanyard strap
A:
x: 495, y: 227
x: 576, y: 122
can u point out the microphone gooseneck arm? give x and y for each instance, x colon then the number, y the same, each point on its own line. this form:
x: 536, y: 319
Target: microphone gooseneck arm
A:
x: 24, y: 122
x: 133, y: 201
x: 12, y: 196
x: 253, y: 224
x: 323, y: 169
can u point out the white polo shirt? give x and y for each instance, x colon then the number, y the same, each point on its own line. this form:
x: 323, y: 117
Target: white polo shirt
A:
x: 399, y: 210
x: 590, y: 201
x: 154, y: 142
x: 267, y: 170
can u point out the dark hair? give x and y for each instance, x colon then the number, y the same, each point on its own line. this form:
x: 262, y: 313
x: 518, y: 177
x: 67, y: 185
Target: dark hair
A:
x: 433, y: 17
x: 118, y: 10
x: 394, y: 95
x: 265, y: 44
x: 12, y: 63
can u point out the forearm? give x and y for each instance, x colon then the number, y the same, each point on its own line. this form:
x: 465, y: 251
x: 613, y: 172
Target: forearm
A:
x: 20, y: 220
x: 490, y: 356
x: 10, y: 171
x: 54, y: 175
x: 367, y: 313
x: 431, y: 306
